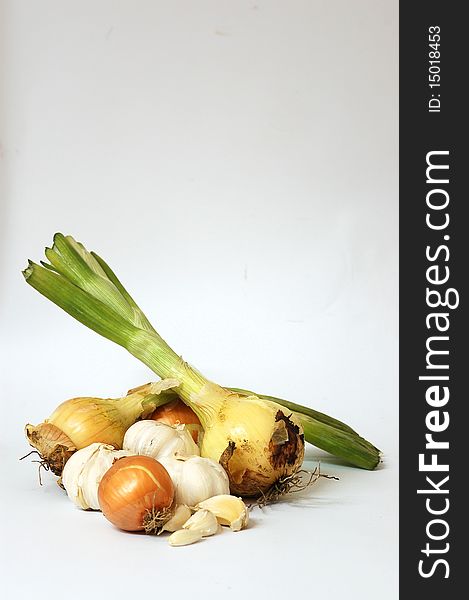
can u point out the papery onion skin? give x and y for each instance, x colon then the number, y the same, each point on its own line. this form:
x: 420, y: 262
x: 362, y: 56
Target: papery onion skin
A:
x: 136, y: 494
x: 175, y: 413
x: 52, y: 444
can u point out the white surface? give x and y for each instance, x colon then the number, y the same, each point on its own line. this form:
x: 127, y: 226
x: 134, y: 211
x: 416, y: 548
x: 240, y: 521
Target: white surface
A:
x: 236, y: 163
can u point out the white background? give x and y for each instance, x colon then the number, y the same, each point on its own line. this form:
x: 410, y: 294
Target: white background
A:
x: 236, y: 163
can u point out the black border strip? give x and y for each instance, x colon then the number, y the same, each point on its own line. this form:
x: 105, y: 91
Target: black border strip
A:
x: 444, y: 252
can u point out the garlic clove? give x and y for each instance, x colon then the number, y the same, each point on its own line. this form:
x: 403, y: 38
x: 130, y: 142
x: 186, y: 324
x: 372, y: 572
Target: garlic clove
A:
x: 184, y: 537
x: 204, y: 521
x: 229, y: 510
x: 180, y: 516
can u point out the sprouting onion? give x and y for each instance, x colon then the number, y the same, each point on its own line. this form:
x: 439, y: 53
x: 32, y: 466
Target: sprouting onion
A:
x: 319, y: 429
x: 79, y: 422
x: 256, y: 440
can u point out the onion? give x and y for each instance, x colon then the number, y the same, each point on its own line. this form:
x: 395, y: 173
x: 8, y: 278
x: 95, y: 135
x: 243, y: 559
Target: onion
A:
x: 178, y: 413
x: 136, y: 494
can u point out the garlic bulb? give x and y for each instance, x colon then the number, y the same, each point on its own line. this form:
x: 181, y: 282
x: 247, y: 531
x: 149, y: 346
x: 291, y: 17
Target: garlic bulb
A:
x: 157, y: 440
x: 84, y: 470
x: 195, y: 478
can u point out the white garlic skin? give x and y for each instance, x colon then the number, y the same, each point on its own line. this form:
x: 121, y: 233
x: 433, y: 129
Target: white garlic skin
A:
x: 195, y: 478
x: 84, y: 470
x: 156, y: 439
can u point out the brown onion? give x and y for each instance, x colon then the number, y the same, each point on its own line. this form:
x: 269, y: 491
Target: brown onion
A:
x: 136, y: 494
x: 175, y: 413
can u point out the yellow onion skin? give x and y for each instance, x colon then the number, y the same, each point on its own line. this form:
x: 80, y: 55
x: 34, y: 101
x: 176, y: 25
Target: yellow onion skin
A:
x: 79, y: 422
x: 89, y: 420
x: 136, y: 494
x: 254, y: 440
